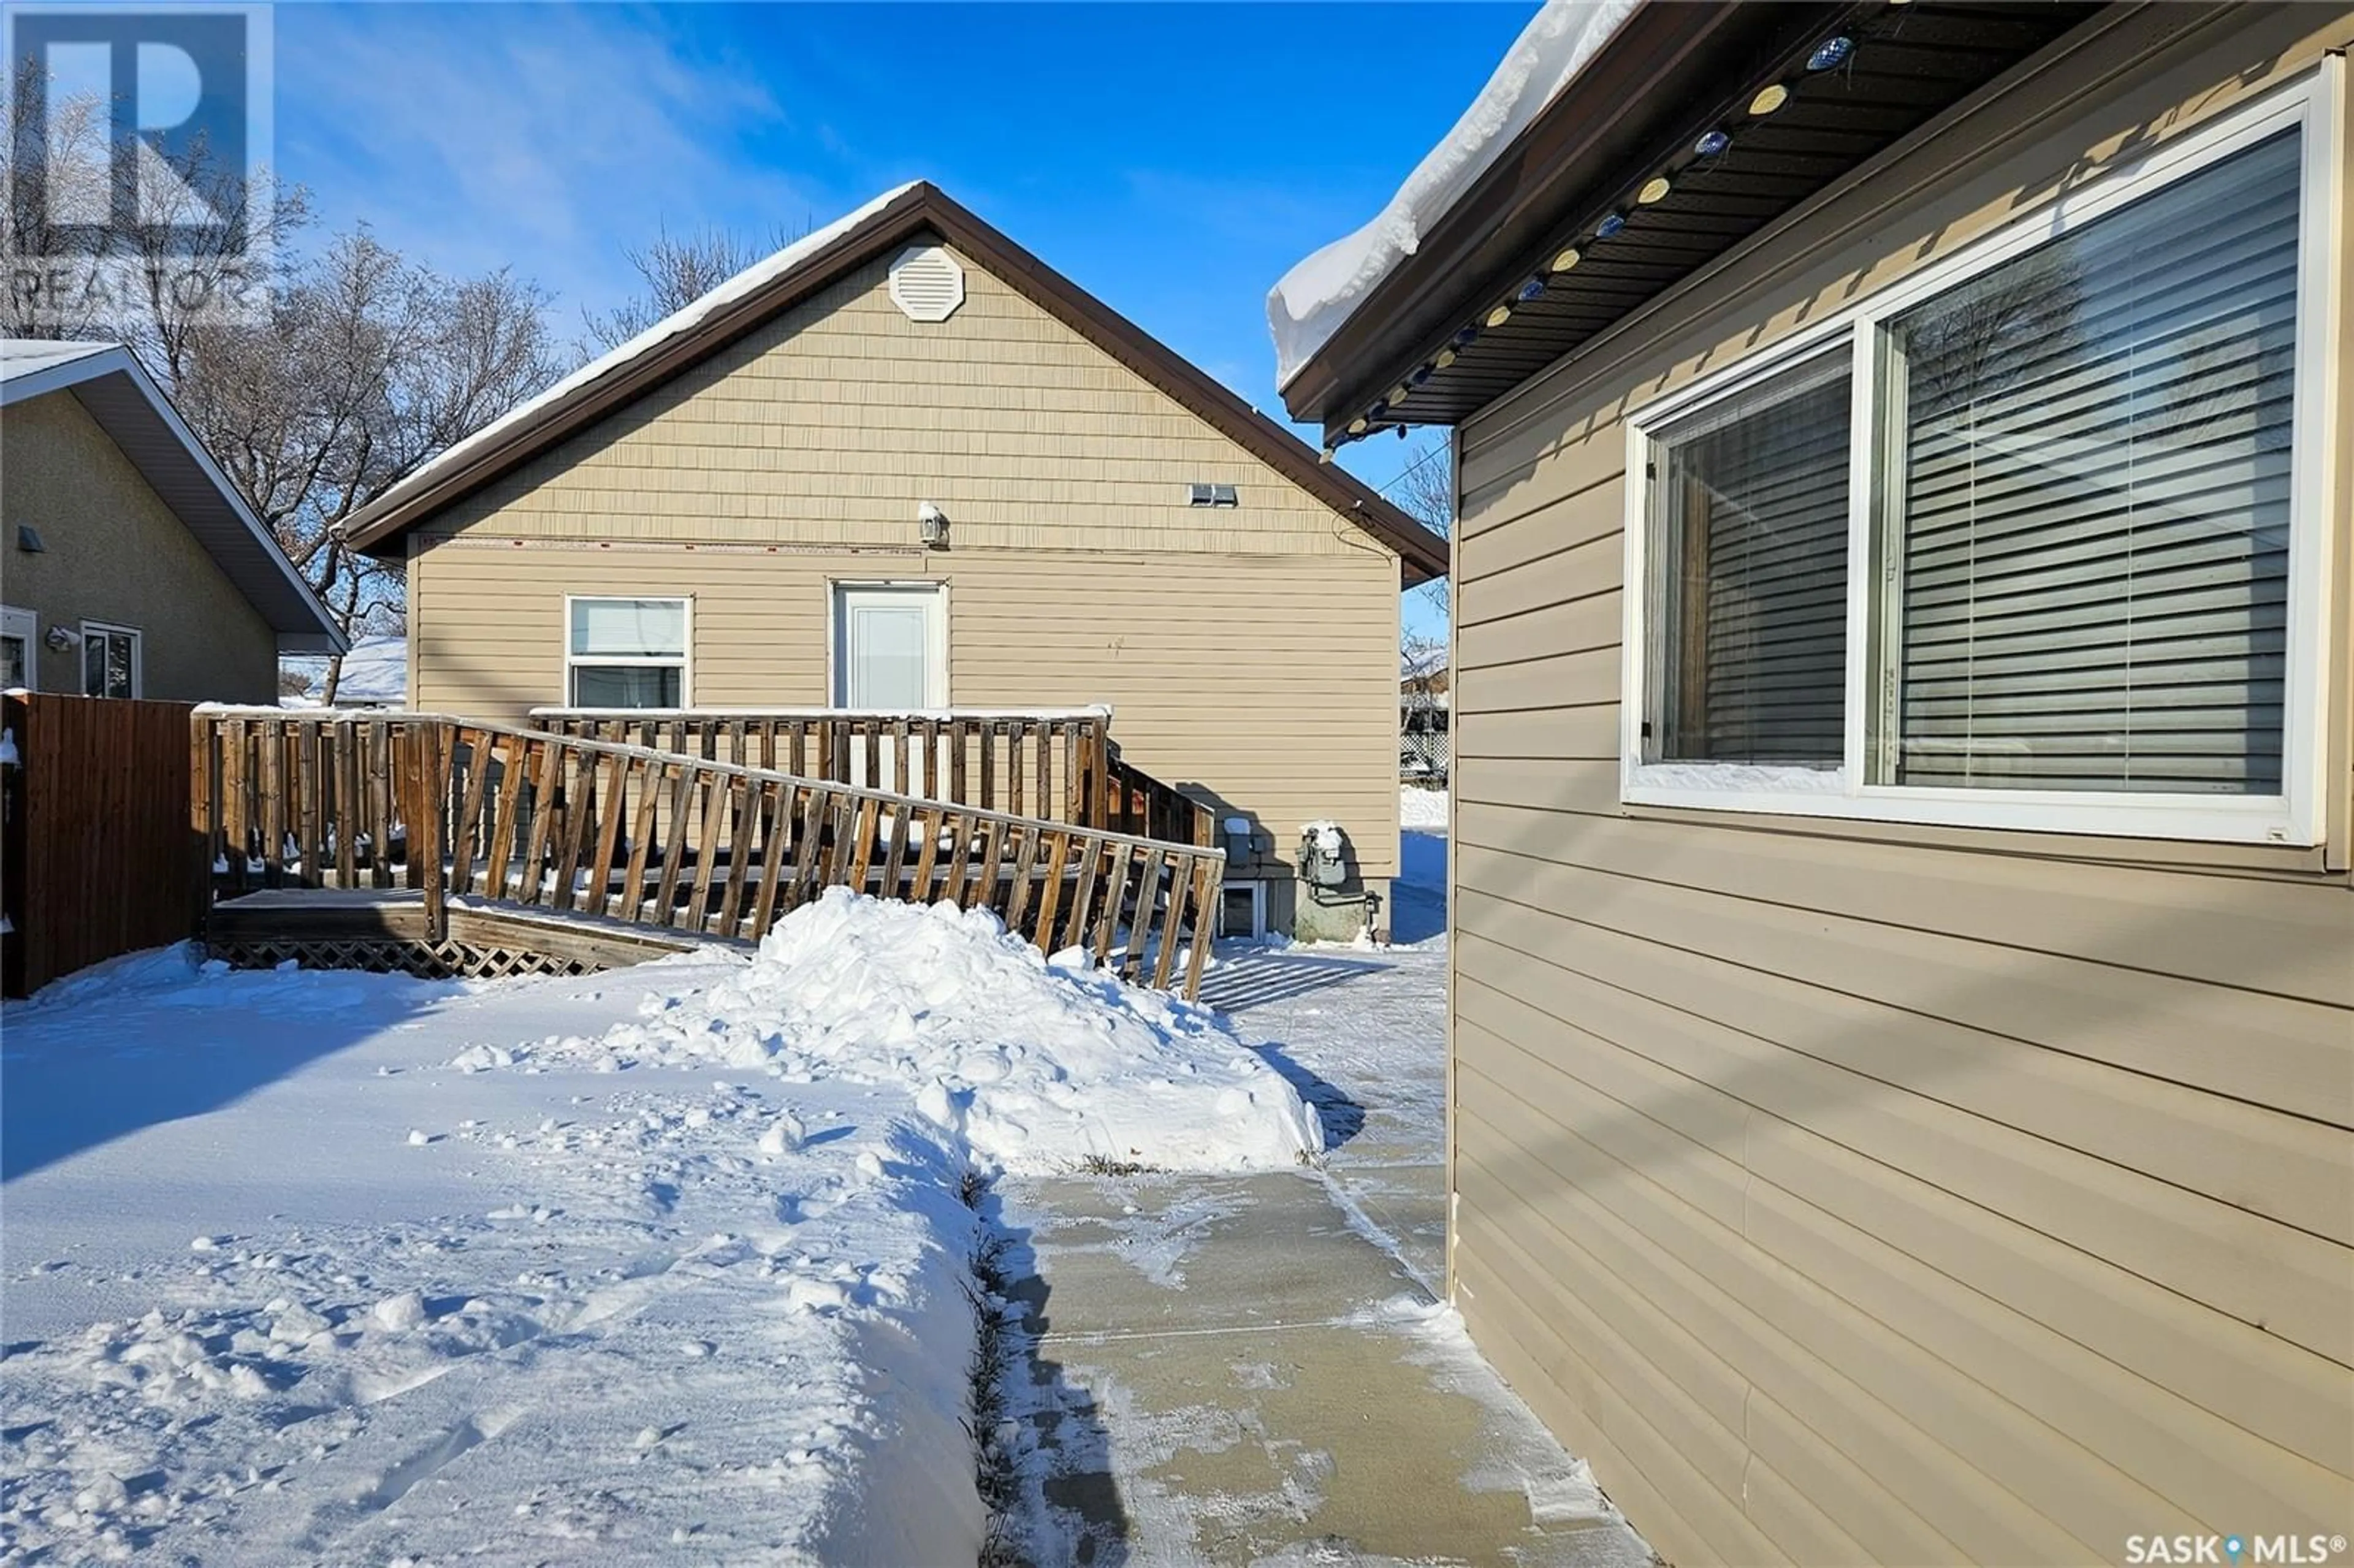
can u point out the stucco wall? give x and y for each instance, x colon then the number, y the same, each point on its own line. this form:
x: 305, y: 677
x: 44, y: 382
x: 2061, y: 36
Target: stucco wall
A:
x: 116, y: 552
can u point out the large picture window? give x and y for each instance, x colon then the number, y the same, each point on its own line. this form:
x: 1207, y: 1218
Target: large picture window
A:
x: 2032, y: 540
x: 626, y: 652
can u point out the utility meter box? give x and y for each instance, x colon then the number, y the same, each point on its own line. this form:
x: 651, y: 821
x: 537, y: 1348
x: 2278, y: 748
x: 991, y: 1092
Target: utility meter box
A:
x: 1324, y: 855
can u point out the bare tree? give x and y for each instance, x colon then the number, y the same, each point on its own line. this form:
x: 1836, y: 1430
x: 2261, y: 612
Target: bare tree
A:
x: 1425, y: 490
x: 318, y: 392
x: 677, y: 271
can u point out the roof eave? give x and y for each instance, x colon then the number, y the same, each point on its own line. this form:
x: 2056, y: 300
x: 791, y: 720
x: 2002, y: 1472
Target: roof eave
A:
x: 1479, y: 234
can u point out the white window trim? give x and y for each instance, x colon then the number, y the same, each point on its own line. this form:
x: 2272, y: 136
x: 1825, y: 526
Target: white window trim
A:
x: 936, y: 654
x: 684, y: 660
x: 138, y: 655
x: 2295, y: 816
x: 25, y: 624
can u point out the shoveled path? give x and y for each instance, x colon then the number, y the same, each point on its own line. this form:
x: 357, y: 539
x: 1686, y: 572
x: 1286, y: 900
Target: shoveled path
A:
x: 1255, y: 1369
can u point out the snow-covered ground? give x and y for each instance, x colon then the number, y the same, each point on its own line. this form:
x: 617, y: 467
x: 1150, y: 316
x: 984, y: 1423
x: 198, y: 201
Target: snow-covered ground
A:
x: 668, y: 1264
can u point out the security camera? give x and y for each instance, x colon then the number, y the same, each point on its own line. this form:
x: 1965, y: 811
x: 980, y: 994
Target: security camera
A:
x: 932, y: 524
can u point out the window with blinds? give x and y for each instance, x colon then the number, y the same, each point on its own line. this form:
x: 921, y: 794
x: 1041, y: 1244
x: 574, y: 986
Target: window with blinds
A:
x: 1749, y: 519
x: 2090, y: 552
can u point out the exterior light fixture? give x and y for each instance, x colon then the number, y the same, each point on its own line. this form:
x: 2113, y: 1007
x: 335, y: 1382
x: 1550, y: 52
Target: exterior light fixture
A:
x: 1421, y: 373
x: 1769, y: 99
x: 1609, y: 227
x: 932, y: 526
x: 1381, y: 406
x: 1468, y: 336
x: 1566, y: 259
x: 1442, y: 359
x: 1398, y: 393
x: 1532, y: 289
x: 1499, y: 315
x: 1710, y: 145
x: 1655, y: 188
x: 1358, y: 426
x: 1830, y: 52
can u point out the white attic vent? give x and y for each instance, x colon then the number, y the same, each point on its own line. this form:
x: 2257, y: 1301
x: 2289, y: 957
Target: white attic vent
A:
x: 926, y: 283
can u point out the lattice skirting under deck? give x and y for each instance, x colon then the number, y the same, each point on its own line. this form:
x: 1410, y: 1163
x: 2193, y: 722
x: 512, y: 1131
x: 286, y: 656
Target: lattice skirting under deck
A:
x: 427, y: 960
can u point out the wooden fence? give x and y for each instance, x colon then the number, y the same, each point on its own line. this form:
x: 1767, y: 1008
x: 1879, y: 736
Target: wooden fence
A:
x: 95, y: 852
x: 663, y: 838
x: 1059, y: 765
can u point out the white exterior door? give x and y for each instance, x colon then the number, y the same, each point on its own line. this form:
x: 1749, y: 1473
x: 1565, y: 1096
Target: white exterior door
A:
x: 890, y: 647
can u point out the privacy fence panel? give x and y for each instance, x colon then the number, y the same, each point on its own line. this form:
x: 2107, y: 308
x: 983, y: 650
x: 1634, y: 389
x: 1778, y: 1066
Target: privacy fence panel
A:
x: 97, y: 858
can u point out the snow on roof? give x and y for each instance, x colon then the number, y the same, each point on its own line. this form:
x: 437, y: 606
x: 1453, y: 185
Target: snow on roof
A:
x: 23, y: 355
x: 1320, y: 293
x: 686, y: 318
x: 376, y: 674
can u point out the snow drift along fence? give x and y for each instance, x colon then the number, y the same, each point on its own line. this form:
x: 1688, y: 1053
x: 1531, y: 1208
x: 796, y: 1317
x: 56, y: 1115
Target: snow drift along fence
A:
x: 660, y: 839
x: 1059, y: 765
x: 94, y: 855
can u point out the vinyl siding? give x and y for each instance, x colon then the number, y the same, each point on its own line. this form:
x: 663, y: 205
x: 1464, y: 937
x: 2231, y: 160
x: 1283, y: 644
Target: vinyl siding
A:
x: 1262, y: 682
x: 1250, y: 652
x: 1854, y: 1192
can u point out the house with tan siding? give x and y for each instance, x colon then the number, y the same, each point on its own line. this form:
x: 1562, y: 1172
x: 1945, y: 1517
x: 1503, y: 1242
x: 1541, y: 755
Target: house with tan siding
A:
x: 1902, y: 1022
x: 133, y: 568
x: 904, y: 465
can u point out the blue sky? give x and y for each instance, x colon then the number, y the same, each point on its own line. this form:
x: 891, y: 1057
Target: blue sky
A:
x: 1173, y: 159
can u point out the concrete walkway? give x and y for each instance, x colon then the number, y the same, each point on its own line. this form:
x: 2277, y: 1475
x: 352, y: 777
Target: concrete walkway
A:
x: 1253, y: 1369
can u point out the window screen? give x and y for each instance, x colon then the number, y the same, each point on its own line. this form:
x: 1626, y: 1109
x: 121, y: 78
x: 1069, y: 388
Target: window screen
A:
x: 2094, y: 501
x: 1748, y: 530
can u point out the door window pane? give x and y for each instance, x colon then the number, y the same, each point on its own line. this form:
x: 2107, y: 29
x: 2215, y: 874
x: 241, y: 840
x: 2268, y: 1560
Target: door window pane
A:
x: 889, y: 655
x: 2094, y: 501
x: 1748, y: 530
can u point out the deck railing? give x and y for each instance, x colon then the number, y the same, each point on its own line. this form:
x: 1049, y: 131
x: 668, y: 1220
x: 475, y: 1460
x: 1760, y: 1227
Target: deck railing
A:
x: 1058, y: 764
x: 659, y: 838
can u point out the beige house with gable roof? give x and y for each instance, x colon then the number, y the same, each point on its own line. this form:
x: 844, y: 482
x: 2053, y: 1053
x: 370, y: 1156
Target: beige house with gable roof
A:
x: 905, y: 465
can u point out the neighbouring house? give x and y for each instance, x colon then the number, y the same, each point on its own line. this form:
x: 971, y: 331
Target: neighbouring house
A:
x: 133, y: 568
x: 1903, y: 1004
x: 905, y: 465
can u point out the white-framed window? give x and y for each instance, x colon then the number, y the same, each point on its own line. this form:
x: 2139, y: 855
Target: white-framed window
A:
x: 627, y: 653
x: 109, y: 660
x: 20, y: 648
x: 2031, y: 540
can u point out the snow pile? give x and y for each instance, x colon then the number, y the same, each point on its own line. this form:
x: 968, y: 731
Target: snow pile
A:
x: 1422, y: 810
x: 1034, y: 1065
x: 428, y: 1316
x: 1311, y: 302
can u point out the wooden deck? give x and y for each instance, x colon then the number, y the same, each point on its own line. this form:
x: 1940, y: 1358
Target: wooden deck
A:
x: 324, y: 816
